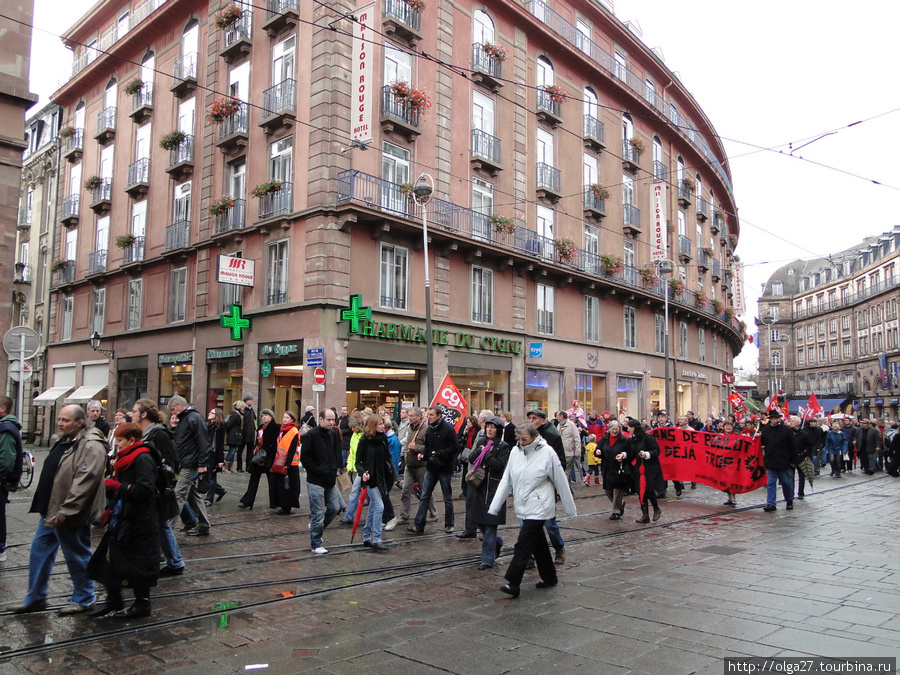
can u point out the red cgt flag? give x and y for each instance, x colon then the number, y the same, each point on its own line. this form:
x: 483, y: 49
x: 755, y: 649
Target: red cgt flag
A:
x: 451, y: 402
x: 813, y: 407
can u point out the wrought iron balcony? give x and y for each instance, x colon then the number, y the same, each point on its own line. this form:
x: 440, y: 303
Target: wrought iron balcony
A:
x: 280, y: 15
x: 594, y: 132
x: 97, y: 262
x: 236, y: 38
x: 486, y: 152
x: 70, y: 210
x: 181, y: 158
x: 73, y: 146
x: 660, y: 171
x: 486, y: 70
x: 142, y: 103
x: 101, y: 196
x: 402, y: 21
x: 548, y: 110
x: 702, y: 209
x: 65, y: 275
x: 594, y: 205
x: 279, y: 203
x: 234, y: 131
x: 184, y: 75
x: 631, y: 156
x: 135, y: 252
x: 138, y: 178
x: 631, y: 219
x: 396, y: 115
x: 231, y: 219
x: 684, y: 195
x: 24, y: 217
x: 178, y: 235
x: 279, y: 107
x: 23, y: 273
x: 106, y: 125
x: 549, y: 182
x: 684, y: 247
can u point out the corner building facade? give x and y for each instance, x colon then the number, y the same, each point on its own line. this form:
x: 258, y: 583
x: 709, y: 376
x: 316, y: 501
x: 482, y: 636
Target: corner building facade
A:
x: 535, y: 257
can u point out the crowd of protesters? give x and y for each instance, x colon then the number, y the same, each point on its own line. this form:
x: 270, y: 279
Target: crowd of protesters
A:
x: 140, y: 478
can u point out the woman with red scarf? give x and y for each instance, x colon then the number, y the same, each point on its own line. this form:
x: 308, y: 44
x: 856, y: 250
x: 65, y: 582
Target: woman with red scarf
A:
x: 129, y: 552
x: 648, y: 478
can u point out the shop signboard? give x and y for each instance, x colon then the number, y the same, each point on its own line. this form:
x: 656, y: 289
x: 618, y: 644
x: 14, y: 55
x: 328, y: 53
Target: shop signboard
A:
x: 280, y: 350
x: 535, y: 350
x: 265, y: 369
x: 238, y: 271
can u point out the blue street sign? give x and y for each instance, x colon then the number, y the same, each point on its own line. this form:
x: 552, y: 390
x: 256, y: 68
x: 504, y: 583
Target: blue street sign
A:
x: 535, y: 350
x: 315, y: 358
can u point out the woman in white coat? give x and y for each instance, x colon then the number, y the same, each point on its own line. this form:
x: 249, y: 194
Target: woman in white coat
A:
x: 534, y: 476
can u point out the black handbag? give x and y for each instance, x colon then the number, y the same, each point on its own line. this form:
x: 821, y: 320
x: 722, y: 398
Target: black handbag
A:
x: 258, y: 463
x: 622, y: 480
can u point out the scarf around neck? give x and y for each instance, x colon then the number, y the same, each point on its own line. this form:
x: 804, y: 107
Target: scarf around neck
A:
x: 126, y: 456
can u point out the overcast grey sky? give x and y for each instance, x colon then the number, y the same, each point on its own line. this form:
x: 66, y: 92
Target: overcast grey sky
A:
x: 767, y: 74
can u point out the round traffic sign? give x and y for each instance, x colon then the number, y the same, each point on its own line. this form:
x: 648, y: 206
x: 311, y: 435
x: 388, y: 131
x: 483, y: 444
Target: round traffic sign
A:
x: 19, y: 376
x: 21, y: 342
x: 319, y: 375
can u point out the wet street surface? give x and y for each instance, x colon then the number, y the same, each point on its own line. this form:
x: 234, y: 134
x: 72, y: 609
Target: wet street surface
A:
x: 678, y: 596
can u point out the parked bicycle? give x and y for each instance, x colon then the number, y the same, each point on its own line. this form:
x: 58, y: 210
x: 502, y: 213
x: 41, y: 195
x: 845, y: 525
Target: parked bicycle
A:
x: 27, y: 470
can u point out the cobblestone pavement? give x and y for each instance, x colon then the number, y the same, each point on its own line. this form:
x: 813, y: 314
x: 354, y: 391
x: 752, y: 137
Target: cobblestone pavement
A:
x: 706, y: 582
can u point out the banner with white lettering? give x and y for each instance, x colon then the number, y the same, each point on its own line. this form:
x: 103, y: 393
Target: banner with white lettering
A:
x: 737, y: 288
x: 725, y: 462
x: 361, y: 80
x: 658, y: 234
x: 451, y: 402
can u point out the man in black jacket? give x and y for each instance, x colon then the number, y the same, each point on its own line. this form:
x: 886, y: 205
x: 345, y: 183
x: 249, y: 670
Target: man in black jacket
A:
x: 439, y: 454
x: 192, y: 448
x: 779, y: 458
x: 249, y: 432
x: 320, y: 455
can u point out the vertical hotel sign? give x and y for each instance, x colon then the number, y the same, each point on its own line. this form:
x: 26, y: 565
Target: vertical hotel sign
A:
x: 658, y: 207
x: 363, y: 84
x: 738, y: 287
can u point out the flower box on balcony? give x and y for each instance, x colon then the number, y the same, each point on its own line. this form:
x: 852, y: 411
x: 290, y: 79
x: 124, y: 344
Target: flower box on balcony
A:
x: 676, y: 285
x: 611, y: 264
x: 716, y: 306
x: 66, y: 132
x: 227, y: 16
x: 133, y: 86
x: 728, y: 313
x: 93, y: 182
x: 172, y: 140
x: 59, y: 265
x: 556, y: 93
x: 222, y: 204
x: 495, y: 51
x: 637, y: 144
x: 689, y: 184
x: 565, y: 250
x: 700, y: 299
x: 648, y: 275
x: 503, y: 224
x: 418, y: 5
x: 266, y: 188
x: 222, y: 109
x: 414, y: 99
x: 125, y: 241
x: 599, y: 191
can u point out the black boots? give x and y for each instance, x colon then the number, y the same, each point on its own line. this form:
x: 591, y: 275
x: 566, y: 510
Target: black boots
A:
x: 645, y: 515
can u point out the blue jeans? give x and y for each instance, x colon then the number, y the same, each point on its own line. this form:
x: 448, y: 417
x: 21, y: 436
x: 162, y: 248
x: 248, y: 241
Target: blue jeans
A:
x: 428, y: 485
x: 350, y: 513
x: 372, y: 529
x: 556, y: 540
x: 323, y: 507
x: 489, y: 544
x: 786, y: 479
x: 76, y: 547
x: 232, y: 451
x: 169, y: 546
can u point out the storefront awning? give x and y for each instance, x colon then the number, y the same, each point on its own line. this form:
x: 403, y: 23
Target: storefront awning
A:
x: 51, y: 396
x: 85, y: 393
x: 828, y: 404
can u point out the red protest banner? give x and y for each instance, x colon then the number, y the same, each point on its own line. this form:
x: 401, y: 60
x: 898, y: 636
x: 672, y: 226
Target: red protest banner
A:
x: 725, y: 462
x: 451, y: 402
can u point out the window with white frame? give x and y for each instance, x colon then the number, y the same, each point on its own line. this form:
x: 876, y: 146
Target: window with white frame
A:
x: 659, y: 342
x: 832, y: 326
x: 583, y: 35
x: 683, y: 340
x: 177, y: 294
x: 800, y: 357
x: 68, y: 312
x: 483, y: 205
x: 394, y: 172
x: 277, y: 272
x: 482, y: 295
x: 545, y: 76
x: 394, y: 276
x: 544, y: 226
x: 591, y: 318
x: 834, y: 351
x: 545, y: 308
x: 777, y: 288
x: 483, y: 27
x: 283, y: 60
x: 701, y: 343
x: 135, y: 304
x: 98, y: 310
x: 798, y: 333
x: 847, y: 349
x: 845, y: 322
x: 630, y: 326
x: 821, y: 353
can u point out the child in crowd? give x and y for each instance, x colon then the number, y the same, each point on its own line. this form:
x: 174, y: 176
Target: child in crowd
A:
x: 593, y: 460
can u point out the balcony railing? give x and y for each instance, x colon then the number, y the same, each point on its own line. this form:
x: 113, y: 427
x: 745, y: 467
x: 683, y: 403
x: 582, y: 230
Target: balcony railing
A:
x: 74, y: 143
x: 403, y: 13
x: 702, y: 207
x: 629, y: 152
x: 23, y: 274
x: 178, y: 235
x: 276, y: 7
x: 24, y: 216
x: 276, y: 297
x: 546, y: 104
x: 97, y: 261
x: 103, y: 192
x: 237, y: 31
x: 397, y: 109
x: 716, y: 269
x: 70, y: 206
x: 183, y: 152
x: 548, y: 178
x: 238, y: 123
x: 139, y: 171
x: 231, y: 219
x: 684, y: 194
x: 106, y: 120
x: 279, y: 99
x: 66, y: 275
x: 483, y: 62
x: 142, y: 98
x: 277, y: 203
x: 594, y: 129
x: 185, y: 68
x: 684, y: 245
x: 631, y: 216
x: 486, y: 146
x: 354, y: 186
x: 592, y: 201
x: 660, y: 170
x: 135, y: 252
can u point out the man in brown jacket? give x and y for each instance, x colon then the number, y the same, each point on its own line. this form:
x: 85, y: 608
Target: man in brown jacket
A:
x: 69, y: 496
x: 414, y: 471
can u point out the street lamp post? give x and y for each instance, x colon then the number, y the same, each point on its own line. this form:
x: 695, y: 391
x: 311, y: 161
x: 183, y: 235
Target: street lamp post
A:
x: 666, y: 267
x: 768, y: 319
x: 422, y: 192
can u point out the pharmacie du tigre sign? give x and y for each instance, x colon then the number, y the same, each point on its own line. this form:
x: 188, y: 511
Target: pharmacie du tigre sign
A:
x: 359, y: 320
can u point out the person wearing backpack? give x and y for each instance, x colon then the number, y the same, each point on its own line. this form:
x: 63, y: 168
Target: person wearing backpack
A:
x: 157, y: 435
x: 10, y: 463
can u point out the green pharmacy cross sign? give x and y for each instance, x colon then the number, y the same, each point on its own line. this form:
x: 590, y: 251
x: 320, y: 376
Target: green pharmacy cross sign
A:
x: 236, y: 321
x: 356, y: 313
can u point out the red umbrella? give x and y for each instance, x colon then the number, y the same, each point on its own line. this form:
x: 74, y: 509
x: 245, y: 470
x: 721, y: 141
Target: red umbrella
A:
x: 359, y: 507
